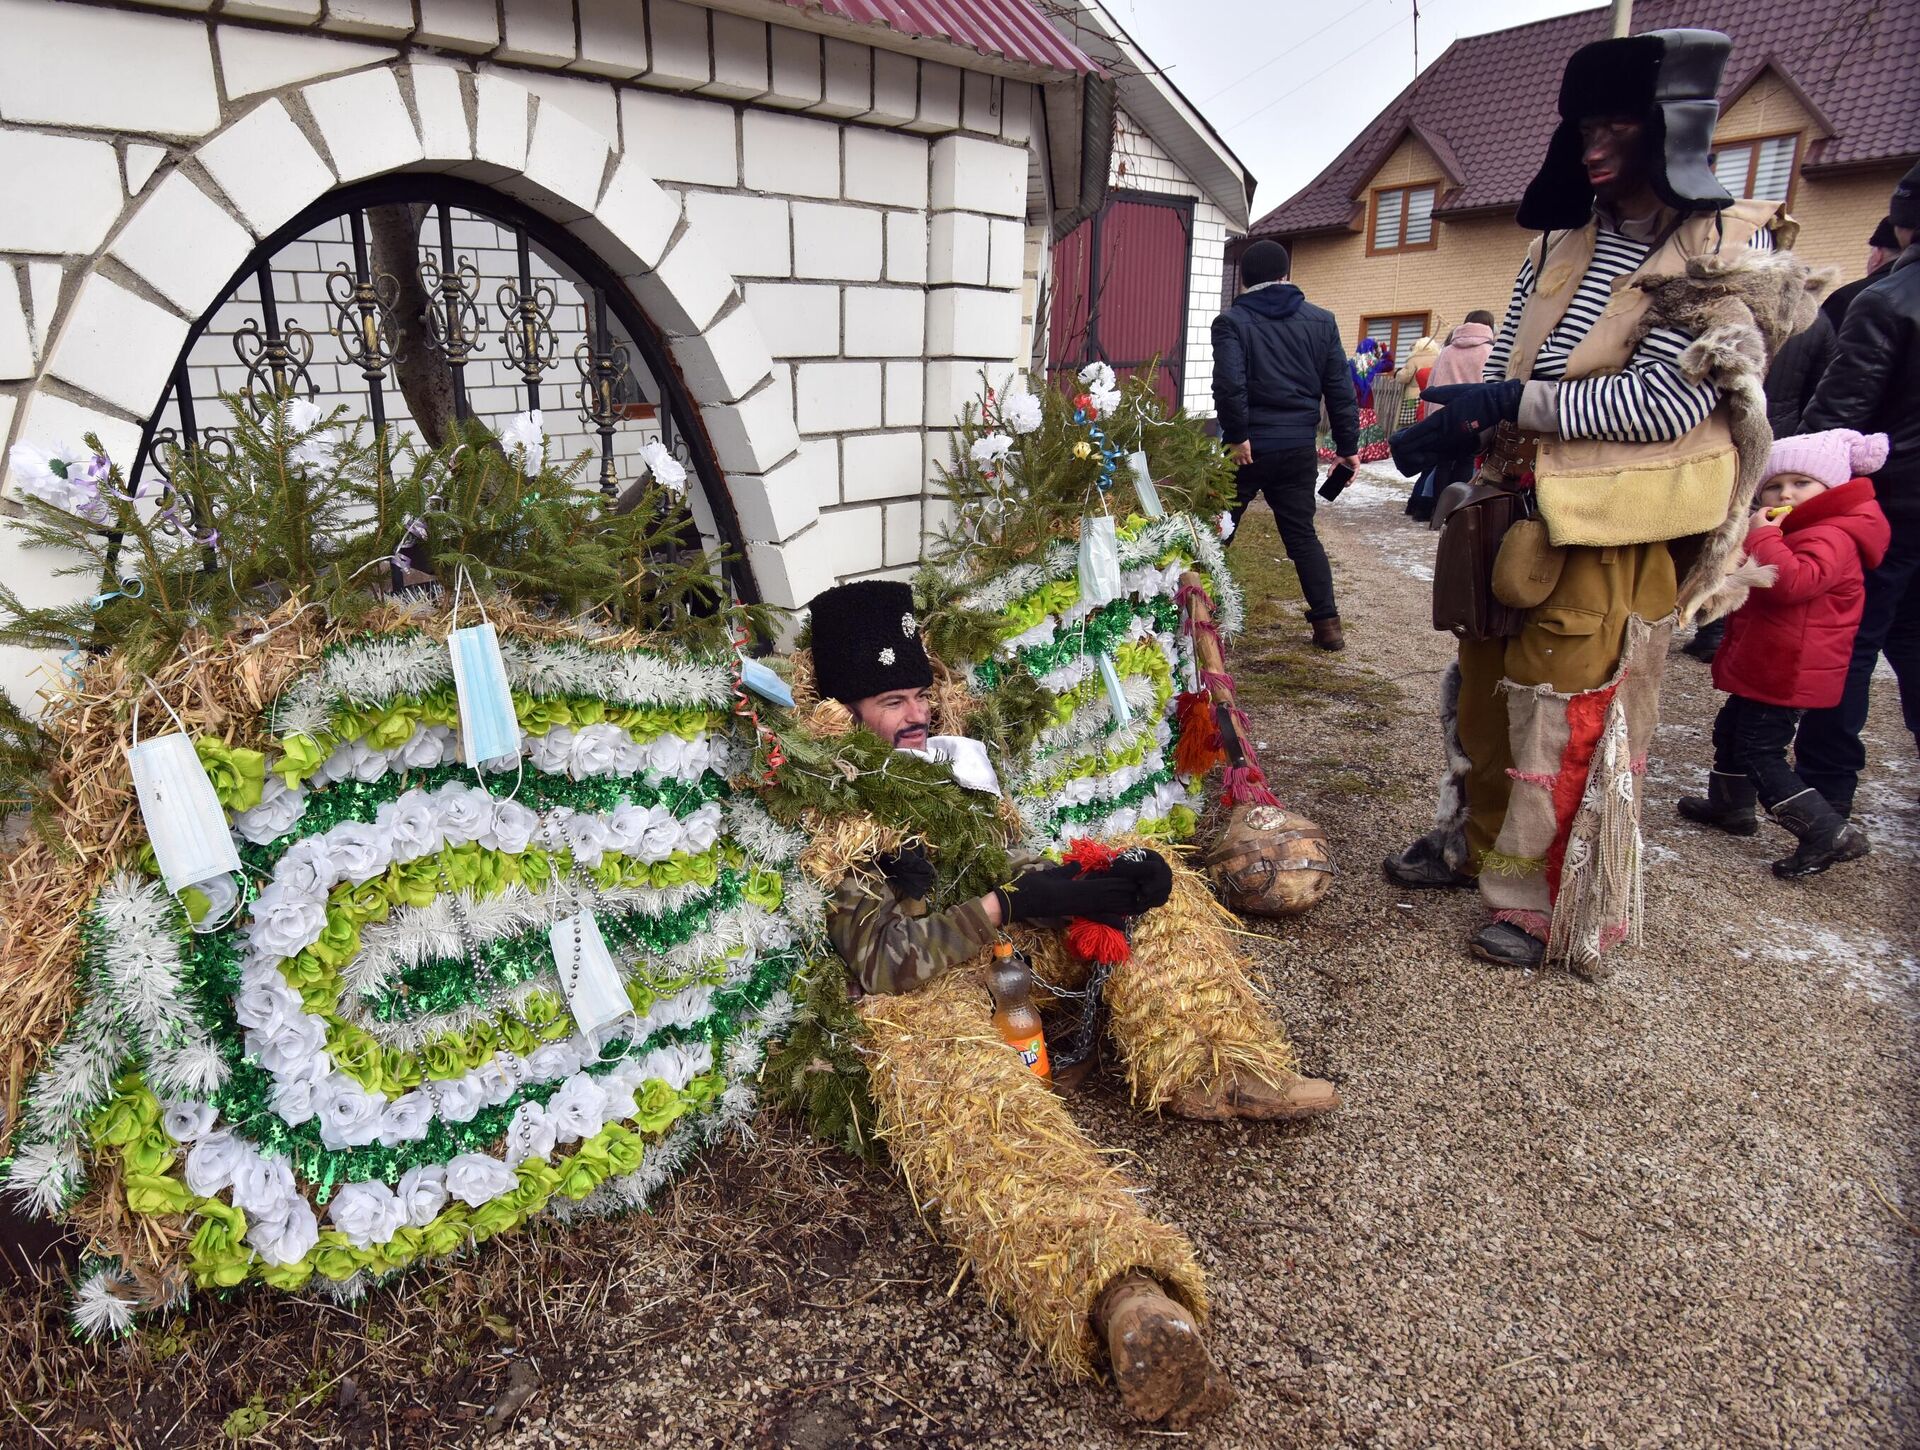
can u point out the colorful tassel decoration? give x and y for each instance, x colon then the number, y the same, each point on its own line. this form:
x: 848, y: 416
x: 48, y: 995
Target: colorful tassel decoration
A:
x: 1198, y: 749
x: 1089, y: 855
x: 1093, y: 941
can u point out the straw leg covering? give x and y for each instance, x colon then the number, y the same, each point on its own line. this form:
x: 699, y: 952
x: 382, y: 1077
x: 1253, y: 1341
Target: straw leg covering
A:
x: 1043, y: 1217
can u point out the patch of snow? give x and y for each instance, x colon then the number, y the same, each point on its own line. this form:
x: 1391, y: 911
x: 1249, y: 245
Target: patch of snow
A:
x: 1862, y: 960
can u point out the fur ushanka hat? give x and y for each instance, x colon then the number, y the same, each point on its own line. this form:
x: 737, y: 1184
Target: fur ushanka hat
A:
x: 866, y: 641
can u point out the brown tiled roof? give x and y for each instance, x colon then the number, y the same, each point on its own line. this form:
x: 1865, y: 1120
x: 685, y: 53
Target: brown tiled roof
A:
x: 1487, y: 105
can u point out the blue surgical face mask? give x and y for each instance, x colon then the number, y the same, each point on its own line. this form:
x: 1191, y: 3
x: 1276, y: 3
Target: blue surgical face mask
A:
x: 1116, y: 697
x: 1143, y: 485
x: 185, y: 823
x: 1099, y: 561
x: 489, y: 729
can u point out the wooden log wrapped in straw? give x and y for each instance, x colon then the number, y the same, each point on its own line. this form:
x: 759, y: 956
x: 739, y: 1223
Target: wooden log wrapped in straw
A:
x: 1268, y: 860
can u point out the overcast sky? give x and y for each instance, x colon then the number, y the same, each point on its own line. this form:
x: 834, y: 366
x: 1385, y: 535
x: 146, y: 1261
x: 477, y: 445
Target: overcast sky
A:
x: 1290, y: 82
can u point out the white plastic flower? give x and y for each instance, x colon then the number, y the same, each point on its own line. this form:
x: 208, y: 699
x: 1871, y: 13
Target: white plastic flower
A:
x: 211, y: 1162
x: 317, y: 451
x: 661, y: 836
x: 349, y: 1117
x: 464, y: 815
x: 1224, y: 524
x: 702, y: 828
x: 406, y: 1119
x: 1020, y: 411
x: 188, y: 1122
x: 523, y: 438
x: 264, y: 1002
x: 596, y: 751
x: 288, y: 1238
x: 293, y: 1098
x: 263, y: 1187
x: 578, y: 1109
x: 497, y: 1080
x: 410, y: 827
x: 367, y: 1213
x: 512, y: 828
x: 531, y: 1134
x: 426, y: 749
x: 1105, y: 400
x: 422, y: 1193
x: 288, y: 1048
x: 476, y: 1178
x: 1097, y: 377
x: 665, y: 468
x: 280, y: 806
x: 887, y: 655
x: 587, y: 837
x: 989, y: 449
x: 283, y: 924
x: 360, y: 852
x: 460, y: 1099
x: 306, y: 871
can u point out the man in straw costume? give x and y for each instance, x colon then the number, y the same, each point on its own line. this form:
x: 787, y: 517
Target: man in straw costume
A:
x: 1055, y: 1233
x: 1631, y: 434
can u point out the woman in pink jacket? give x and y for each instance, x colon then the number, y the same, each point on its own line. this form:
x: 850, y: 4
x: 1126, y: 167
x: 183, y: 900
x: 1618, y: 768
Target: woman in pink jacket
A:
x: 1460, y: 361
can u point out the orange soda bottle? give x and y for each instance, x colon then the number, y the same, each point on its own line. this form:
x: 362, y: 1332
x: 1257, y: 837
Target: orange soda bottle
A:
x: 1010, y: 983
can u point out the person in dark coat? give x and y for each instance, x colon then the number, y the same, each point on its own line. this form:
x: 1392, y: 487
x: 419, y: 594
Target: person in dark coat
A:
x: 1873, y: 386
x: 1817, y: 531
x: 1276, y: 359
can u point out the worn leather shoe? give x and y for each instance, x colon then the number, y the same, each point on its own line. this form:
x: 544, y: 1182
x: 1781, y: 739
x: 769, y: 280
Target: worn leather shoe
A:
x: 1421, y: 868
x: 1248, y: 1097
x: 1506, y: 945
x: 1328, y: 635
x: 1160, y: 1363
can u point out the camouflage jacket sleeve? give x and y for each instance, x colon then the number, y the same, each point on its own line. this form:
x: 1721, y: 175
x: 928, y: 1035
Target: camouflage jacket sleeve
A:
x: 893, y: 943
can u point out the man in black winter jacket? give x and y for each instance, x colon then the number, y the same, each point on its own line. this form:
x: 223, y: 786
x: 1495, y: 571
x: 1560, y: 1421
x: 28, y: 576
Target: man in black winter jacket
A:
x: 1276, y: 357
x: 1873, y: 386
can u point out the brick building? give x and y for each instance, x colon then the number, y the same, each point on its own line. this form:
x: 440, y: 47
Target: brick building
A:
x: 785, y: 239
x: 1411, y: 227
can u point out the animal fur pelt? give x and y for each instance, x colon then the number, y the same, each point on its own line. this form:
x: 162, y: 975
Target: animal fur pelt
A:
x: 1739, y: 307
x: 1447, y: 841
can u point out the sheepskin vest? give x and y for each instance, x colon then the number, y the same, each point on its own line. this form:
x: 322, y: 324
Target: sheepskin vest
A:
x: 1596, y: 492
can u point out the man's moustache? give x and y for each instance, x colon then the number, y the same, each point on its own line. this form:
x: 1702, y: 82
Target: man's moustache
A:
x: 908, y: 730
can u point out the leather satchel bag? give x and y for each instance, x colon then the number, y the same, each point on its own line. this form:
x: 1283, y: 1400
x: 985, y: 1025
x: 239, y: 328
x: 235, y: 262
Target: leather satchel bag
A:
x: 1478, y: 516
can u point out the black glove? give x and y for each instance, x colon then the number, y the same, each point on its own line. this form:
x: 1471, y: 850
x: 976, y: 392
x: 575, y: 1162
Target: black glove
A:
x: 1149, y: 874
x: 1048, y: 892
x: 908, y: 872
x: 1465, y: 411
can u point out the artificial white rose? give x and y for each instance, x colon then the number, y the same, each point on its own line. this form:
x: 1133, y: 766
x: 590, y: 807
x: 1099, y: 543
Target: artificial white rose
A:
x: 989, y: 449
x: 553, y: 827
x: 531, y: 1134
x: 460, y: 1099
x: 476, y: 1178
x: 661, y: 836
x: 620, y: 1104
x: 186, y: 1121
x: 498, y: 1079
x: 523, y: 439
x: 369, y: 764
x: 595, y: 751
x: 367, y: 1213
x: 422, y: 1193
x: 665, y: 468
x: 283, y: 924
x: 293, y: 1098
x: 512, y: 827
x: 288, y: 1238
x: 578, y: 1110
x: 211, y: 1162
x: 665, y: 754
x: 1020, y: 411
x: 625, y: 827
x: 288, y: 1048
x: 263, y: 1186
x: 306, y: 872
x: 406, y: 1119
x: 280, y: 806
x: 549, y: 752
x: 32, y: 470
x: 425, y: 750
x: 702, y: 828
x: 553, y: 1061
x: 410, y: 827
x: 465, y: 815
x: 587, y: 836
x: 359, y: 852
x: 349, y: 1116
x: 264, y: 1001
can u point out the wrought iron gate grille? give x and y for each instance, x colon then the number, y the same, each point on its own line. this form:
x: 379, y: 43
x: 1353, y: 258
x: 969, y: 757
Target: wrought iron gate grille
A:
x: 520, y: 313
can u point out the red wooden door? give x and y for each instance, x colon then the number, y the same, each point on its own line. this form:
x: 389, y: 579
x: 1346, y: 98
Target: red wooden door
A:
x: 1120, y: 283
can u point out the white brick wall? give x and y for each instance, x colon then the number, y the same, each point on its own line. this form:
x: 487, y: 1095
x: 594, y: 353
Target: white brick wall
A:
x: 807, y: 184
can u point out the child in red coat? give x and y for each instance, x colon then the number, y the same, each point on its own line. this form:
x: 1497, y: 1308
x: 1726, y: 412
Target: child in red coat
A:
x: 1816, y: 529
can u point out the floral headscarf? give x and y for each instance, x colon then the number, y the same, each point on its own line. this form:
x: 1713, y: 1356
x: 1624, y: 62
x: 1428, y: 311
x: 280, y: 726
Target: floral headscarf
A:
x: 1366, y: 363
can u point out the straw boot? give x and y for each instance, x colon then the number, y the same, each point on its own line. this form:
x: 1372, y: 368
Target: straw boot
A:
x: 1241, y: 1095
x: 1160, y: 1364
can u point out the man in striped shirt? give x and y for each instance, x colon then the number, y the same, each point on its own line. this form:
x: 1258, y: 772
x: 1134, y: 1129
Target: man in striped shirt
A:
x: 1621, y: 452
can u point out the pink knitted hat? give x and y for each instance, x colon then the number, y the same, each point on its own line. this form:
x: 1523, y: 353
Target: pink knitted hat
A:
x: 1832, y: 457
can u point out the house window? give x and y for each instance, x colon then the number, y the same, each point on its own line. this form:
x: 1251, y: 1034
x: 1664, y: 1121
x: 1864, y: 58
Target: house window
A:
x: 1398, y: 334
x: 1761, y: 168
x: 1402, y: 219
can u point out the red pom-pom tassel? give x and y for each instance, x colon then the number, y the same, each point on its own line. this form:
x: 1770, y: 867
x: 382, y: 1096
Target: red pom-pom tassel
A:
x: 1089, y: 855
x: 1199, y: 748
x: 1093, y: 941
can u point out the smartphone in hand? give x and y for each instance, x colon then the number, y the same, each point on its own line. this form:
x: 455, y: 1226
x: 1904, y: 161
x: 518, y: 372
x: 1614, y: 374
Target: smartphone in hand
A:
x: 1341, y: 476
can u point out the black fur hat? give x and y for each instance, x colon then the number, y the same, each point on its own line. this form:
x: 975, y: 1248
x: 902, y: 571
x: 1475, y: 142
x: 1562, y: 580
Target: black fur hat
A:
x: 866, y: 641
x: 1669, y: 78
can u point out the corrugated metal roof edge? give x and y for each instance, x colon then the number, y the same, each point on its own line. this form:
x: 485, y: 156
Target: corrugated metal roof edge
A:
x: 885, y: 37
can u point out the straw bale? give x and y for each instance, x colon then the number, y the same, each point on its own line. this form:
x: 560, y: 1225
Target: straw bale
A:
x: 1045, y: 1220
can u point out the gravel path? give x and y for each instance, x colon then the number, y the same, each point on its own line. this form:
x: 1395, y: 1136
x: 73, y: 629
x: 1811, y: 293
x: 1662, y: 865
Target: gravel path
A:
x: 1676, y: 1209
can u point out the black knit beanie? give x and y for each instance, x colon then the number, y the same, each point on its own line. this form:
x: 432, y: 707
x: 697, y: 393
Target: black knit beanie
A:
x: 1904, y: 209
x: 1264, y: 261
x: 866, y: 641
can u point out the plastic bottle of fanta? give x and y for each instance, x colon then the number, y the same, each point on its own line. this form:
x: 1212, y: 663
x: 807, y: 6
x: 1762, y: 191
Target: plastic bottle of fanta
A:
x: 1010, y: 981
